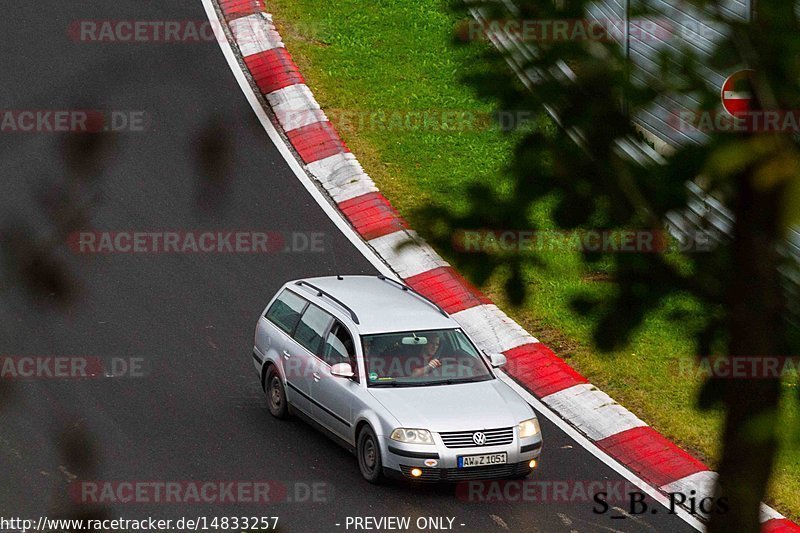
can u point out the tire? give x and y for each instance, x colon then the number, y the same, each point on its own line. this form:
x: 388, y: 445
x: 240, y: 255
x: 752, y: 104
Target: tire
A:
x: 276, y: 394
x: 369, y: 456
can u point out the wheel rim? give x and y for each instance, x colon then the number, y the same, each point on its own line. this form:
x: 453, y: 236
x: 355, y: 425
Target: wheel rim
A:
x: 275, y: 393
x: 368, y: 454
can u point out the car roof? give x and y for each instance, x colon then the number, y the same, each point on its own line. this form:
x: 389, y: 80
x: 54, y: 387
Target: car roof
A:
x: 381, y: 306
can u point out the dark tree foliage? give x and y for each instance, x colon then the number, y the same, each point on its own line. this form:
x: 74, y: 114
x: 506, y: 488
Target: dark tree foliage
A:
x: 582, y: 169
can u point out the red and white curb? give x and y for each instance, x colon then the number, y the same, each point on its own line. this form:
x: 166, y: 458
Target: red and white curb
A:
x: 323, y: 155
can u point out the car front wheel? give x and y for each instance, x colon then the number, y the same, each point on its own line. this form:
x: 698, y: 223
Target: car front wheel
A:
x: 276, y: 394
x: 369, y: 456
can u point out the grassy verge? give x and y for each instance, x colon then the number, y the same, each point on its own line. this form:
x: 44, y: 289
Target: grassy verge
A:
x: 370, y: 66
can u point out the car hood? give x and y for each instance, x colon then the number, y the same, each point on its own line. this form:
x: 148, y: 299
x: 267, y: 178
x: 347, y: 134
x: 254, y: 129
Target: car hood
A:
x: 457, y: 407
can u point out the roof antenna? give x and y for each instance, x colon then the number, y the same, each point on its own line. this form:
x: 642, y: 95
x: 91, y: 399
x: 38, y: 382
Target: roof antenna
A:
x: 335, y: 264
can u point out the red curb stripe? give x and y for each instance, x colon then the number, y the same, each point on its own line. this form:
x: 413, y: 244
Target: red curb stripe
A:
x: 273, y: 69
x: 316, y: 141
x: 448, y: 289
x: 234, y: 9
x: 779, y: 525
x: 539, y: 369
x: 372, y: 215
x: 650, y: 455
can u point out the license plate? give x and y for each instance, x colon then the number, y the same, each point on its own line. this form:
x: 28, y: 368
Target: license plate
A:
x: 467, y: 461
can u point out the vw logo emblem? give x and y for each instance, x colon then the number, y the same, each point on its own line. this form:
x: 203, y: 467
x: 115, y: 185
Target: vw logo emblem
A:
x: 479, y: 438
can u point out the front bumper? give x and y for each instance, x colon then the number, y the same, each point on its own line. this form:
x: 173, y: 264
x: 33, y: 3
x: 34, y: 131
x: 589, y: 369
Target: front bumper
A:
x: 444, y: 475
x: 439, y: 463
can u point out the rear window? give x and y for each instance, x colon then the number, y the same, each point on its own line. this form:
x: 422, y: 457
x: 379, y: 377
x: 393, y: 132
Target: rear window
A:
x: 285, y: 312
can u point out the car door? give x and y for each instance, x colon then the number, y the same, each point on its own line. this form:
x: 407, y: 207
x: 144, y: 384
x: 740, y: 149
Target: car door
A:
x: 334, y: 396
x: 301, y: 351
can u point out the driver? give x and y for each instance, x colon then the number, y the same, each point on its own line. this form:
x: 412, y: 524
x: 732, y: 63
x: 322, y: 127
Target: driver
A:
x: 428, y: 356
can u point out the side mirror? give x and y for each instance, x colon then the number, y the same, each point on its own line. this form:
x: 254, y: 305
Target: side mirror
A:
x: 498, y: 360
x: 342, y: 370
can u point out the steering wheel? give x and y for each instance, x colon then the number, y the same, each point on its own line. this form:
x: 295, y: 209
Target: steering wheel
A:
x: 448, y: 368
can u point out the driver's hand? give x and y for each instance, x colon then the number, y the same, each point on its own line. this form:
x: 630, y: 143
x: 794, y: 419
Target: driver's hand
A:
x: 435, y: 363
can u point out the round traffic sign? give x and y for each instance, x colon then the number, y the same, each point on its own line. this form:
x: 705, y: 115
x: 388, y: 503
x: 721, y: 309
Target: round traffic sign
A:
x: 737, y: 92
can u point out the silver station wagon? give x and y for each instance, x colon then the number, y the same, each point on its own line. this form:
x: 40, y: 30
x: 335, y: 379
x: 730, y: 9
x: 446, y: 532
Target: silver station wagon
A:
x: 393, y: 378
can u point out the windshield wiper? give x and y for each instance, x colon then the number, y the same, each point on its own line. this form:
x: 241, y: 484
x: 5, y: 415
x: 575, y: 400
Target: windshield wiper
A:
x: 448, y: 381
x: 474, y: 379
x: 451, y: 381
x: 438, y: 382
x: 392, y: 384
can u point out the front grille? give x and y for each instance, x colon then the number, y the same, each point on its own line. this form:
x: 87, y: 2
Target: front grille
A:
x: 461, y: 474
x: 463, y: 439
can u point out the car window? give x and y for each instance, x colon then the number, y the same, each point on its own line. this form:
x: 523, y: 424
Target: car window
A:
x: 312, y: 326
x: 422, y: 358
x: 338, y: 347
x: 463, y: 343
x: 285, y: 312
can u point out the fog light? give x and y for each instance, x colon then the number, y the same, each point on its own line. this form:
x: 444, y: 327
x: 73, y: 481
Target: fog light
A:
x: 416, y: 472
x: 533, y: 463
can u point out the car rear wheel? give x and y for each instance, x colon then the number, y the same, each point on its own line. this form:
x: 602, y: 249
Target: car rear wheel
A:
x: 276, y: 394
x: 369, y: 456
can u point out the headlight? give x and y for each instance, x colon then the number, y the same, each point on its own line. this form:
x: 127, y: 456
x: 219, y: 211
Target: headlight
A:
x: 412, y: 436
x: 529, y: 428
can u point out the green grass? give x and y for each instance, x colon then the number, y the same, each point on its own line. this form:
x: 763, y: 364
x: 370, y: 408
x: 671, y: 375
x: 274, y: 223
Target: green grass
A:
x: 395, y: 56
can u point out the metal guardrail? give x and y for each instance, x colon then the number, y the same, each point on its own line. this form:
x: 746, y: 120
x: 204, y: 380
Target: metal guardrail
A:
x: 704, y: 213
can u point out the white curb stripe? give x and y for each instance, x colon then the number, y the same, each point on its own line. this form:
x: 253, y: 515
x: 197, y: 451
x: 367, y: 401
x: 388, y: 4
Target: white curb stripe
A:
x: 255, y: 33
x: 592, y: 411
x: 704, y: 484
x: 342, y: 176
x: 768, y: 513
x: 295, y: 107
x: 492, y: 329
x: 406, y: 253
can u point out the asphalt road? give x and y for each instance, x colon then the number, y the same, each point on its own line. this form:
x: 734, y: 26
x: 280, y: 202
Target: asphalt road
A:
x: 198, y: 413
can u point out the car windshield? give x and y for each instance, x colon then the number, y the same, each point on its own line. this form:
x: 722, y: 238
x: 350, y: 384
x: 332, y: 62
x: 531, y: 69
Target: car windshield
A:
x: 422, y: 358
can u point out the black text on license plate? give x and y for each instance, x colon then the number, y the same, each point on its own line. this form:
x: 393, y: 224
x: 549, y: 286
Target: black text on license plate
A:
x: 488, y: 459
